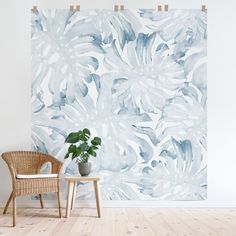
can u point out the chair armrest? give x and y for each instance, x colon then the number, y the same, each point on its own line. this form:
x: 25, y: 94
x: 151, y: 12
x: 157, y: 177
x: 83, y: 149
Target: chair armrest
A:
x: 56, y: 168
x: 8, y: 160
x: 12, y: 171
x: 56, y: 164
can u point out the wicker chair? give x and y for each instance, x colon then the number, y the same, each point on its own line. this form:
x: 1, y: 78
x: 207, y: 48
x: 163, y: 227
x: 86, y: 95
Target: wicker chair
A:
x: 30, y: 163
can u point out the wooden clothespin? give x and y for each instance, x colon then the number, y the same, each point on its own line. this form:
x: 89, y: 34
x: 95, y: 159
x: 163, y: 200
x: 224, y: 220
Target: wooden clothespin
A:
x: 122, y: 7
x: 71, y: 8
x: 34, y: 9
x: 166, y: 7
x: 116, y: 7
x: 159, y: 8
x: 204, y: 8
x: 77, y: 8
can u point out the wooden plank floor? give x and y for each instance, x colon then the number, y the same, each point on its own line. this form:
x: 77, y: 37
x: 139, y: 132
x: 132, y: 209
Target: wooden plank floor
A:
x: 123, y: 221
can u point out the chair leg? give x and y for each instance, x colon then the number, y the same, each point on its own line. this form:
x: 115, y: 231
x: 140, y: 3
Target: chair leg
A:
x: 41, y: 200
x: 14, y: 211
x: 8, y: 202
x: 59, y: 203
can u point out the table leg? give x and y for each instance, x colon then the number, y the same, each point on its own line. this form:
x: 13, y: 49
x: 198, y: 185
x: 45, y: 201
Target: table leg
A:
x: 97, y: 193
x: 74, y: 196
x: 69, y: 197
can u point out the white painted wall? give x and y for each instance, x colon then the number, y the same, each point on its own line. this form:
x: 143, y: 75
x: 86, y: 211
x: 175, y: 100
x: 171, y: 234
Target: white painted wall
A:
x: 15, y: 84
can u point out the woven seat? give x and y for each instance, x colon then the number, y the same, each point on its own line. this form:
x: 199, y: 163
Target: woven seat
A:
x: 22, y: 165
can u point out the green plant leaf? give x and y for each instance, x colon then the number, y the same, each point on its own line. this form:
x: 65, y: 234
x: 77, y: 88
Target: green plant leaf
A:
x: 83, y: 138
x: 86, y: 131
x: 84, y: 157
x: 92, y: 152
x: 96, y: 141
x: 84, y: 147
x: 80, y: 135
x: 95, y: 147
x: 74, y: 155
x: 72, y: 138
x: 72, y: 148
x: 78, y: 151
x: 86, y: 134
x: 67, y: 155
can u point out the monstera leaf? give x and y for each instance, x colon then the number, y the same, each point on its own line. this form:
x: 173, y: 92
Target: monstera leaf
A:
x: 72, y: 138
x: 180, y: 174
x: 60, y: 53
x: 142, y: 77
x: 96, y: 141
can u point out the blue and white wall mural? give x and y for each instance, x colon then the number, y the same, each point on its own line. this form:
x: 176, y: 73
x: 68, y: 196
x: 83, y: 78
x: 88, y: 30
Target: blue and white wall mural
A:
x: 137, y: 79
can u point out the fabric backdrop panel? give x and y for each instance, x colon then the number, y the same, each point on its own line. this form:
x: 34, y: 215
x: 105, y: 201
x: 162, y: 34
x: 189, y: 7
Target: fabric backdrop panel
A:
x: 138, y: 80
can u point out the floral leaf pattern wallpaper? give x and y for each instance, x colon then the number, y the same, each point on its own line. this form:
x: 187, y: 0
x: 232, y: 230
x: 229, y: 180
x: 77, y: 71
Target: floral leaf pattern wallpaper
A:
x: 137, y: 79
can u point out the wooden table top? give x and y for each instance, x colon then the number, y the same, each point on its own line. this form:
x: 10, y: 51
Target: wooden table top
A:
x: 80, y: 178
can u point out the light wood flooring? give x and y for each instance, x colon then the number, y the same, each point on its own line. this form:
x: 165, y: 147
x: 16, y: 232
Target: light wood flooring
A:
x: 122, y: 221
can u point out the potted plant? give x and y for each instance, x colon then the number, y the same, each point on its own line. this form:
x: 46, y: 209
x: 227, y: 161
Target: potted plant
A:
x: 82, y: 147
